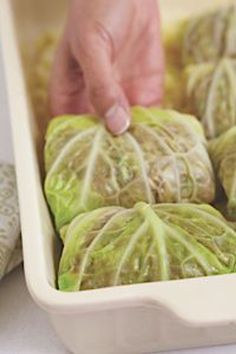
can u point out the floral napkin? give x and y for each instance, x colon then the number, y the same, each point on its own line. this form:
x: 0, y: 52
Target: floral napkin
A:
x: 10, y: 243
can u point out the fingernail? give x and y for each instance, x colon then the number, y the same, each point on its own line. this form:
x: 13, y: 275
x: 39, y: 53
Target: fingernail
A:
x: 117, y: 119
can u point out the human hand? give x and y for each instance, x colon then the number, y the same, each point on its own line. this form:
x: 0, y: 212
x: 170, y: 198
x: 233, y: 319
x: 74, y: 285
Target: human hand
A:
x: 110, y: 57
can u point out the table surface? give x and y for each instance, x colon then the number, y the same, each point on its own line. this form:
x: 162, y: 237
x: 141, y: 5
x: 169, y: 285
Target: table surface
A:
x: 24, y: 328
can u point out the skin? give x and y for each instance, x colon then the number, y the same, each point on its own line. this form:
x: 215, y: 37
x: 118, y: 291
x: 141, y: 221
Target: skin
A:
x: 110, y: 57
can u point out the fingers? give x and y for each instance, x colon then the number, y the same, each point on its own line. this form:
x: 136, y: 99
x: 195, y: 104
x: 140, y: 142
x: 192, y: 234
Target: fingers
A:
x: 146, y: 90
x: 67, y: 89
x: 144, y: 85
x: 104, y: 91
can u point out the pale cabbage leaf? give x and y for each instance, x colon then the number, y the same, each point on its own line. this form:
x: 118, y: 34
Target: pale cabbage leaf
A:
x: 223, y: 153
x: 210, y: 37
x: 211, y: 95
x: 115, y: 246
x: 162, y: 158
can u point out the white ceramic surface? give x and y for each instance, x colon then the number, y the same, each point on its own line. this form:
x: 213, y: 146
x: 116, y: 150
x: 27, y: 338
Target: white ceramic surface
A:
x: 132, y: 319
x: 32, y: 331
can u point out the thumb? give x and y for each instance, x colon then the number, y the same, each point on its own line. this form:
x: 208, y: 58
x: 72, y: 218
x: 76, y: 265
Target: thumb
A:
x: 105, y: 93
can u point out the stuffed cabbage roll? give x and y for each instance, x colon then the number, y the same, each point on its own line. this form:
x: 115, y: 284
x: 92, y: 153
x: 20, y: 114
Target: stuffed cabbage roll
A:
x: 162, y: 158
x: 116, y: 246
x: 223, y: 152
x: 211, y: 95
x: 210, y: 36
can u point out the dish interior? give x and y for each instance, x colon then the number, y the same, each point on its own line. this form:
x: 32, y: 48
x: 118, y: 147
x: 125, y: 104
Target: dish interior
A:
x: 33, y: 19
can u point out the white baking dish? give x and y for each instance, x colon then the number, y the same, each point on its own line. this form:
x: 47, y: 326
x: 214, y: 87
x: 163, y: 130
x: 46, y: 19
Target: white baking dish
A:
x: 131, y: 319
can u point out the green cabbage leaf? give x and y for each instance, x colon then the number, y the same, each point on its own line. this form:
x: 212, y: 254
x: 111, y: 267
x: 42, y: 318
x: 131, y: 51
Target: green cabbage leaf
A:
x: 162, y: 158
x: 223, y: 153
x: 210, y: 37
x: 115, y: 246
x: 211, y: 95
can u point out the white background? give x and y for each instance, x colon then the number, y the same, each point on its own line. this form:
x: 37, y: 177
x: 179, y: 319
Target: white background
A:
x: 24, y: 328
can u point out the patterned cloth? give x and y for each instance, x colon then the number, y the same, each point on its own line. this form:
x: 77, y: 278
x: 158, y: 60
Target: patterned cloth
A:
x: 10, y: 244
